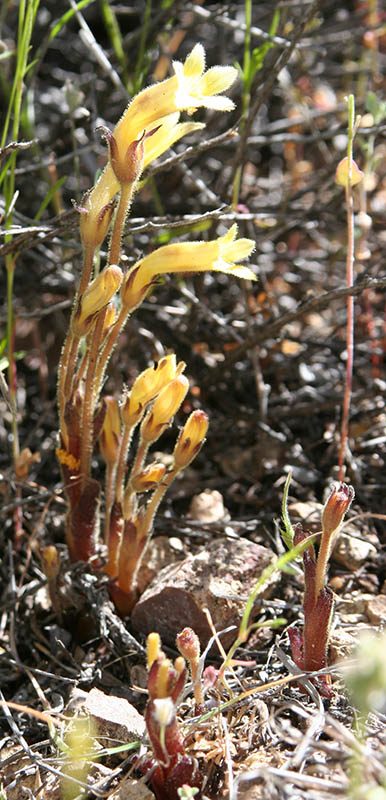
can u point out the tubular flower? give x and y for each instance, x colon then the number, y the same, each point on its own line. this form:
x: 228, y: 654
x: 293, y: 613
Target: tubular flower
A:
x: 149, y: 478
x: 167, y: 132
x: 335, y: 508
x: 219, y: 255
x: 148, y: 384
x: 189, y: 88
x: 191, y: 439
x: 164, y: 409
x: 94, y: 225
x: 97, y: 295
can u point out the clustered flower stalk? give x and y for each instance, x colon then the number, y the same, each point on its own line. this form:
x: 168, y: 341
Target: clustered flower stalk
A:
x: 310, y: 646
x: 171, y: 767
x: 103, y: 303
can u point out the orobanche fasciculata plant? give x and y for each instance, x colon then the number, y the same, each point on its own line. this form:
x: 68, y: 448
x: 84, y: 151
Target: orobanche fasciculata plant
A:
x: 104, y: 300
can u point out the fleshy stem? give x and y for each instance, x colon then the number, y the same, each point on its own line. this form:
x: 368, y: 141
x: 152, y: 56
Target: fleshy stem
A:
x: 352, y: 126
x: 108, y: 348
x: 156, y: 499
x: 121, y: 467
x: 125, y: 197
x: 321, y: 564
x: 109, y: 497
x: 137, y: 466
x: 71, y: 345
x: 88, y: 400
x: 132, y: 565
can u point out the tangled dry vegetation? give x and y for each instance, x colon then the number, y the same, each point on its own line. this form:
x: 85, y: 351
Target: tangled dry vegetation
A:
x: 266, y: 361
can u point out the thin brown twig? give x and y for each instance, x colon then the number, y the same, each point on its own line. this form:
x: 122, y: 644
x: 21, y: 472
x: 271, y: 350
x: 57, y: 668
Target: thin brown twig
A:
x: 272, y: 329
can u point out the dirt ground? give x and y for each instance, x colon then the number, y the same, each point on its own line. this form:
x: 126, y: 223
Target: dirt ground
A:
x: 265, y: 360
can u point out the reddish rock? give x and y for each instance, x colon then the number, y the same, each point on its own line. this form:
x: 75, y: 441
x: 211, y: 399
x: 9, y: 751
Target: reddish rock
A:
x: 219, y: 578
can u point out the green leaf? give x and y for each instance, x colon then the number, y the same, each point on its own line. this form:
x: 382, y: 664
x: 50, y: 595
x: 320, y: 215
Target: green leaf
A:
x: 65, y: 17
x: 259, y: 53
x: 49, y: 196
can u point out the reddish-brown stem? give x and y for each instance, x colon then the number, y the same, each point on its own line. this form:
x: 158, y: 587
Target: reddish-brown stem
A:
x: 156, y: 499
x: 109, y: 497
x: 321, y: 565
x: 108, y: 349
x: 114, y: 539
x: 123, y: 450
x: 67, y: 366
x: 136, y: 467
x: 71, y: 345
x: 88, y: 261
x: 89, y: 399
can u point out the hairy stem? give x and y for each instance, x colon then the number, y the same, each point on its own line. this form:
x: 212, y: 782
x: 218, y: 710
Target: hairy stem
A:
x: 89, y: 400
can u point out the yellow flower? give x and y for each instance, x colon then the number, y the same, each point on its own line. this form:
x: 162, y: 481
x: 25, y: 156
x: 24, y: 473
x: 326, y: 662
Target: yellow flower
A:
x: 164, y: 409
x: 97, y: 295
x: 189, y: 88
x: 149, y: 478
x: 94, y: 224
x: 219, y: 255
x: 191, y: 439
x: 148, y: 384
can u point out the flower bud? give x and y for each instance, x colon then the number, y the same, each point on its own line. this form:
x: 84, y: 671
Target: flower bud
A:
x: 188, y: 644
x: 126, y: 161
x: 149, y: 478
x: 191, y: 439
x: 153, y: 648
x: 336, y: 507
x: 164, y: 409
x: 97, y: 295
x: 147, y: 385
x: 165, y: 675
x: 111, y: 431
x: 94, y: 224
x: 134, y: 291
x: 50, y: 562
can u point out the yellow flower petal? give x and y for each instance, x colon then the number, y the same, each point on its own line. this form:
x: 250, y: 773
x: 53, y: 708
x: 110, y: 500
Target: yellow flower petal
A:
x: 218, y: 79
x: 217, y: 103
x: 169, y: 132
x: 195, y: 62
x: 239, y: 250
x: 238, y: 271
